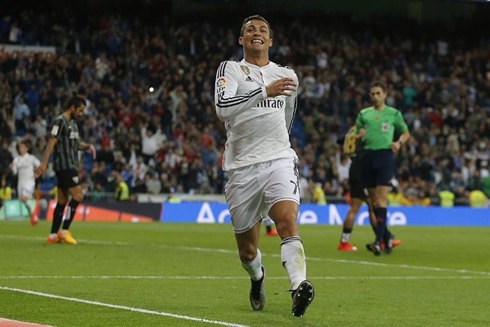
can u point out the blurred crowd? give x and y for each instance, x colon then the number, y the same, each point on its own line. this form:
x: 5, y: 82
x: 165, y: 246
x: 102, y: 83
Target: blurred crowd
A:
x: 150, y: 110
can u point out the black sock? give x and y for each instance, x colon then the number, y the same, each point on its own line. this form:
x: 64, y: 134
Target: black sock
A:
x: 268, y: 228
x: 70, y: 213
x: 380, y: 223
x: 347, y: 230
x: 57, y: 217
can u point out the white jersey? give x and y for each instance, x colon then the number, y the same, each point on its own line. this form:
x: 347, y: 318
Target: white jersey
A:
x: 24, y: 167
x: 257, y: 126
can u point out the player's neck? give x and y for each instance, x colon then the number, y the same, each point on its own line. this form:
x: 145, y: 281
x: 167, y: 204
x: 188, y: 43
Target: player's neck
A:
x: 379, y: 107
x: 258, y: 59
x: 67, y: 115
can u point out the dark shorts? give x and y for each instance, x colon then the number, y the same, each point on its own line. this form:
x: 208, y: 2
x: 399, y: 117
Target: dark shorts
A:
x: 67, y: 178
x: 355, y: 182
x: 377, y: 167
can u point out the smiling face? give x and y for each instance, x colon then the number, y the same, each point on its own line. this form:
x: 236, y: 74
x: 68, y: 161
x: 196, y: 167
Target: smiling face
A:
x: 256, y: 36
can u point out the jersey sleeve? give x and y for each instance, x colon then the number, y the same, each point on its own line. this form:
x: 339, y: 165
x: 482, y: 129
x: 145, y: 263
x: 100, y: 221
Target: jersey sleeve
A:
x: 360, y: 122
x: 291, y: 106
x: 14, y: 165
x: 56, y: 129
x: 228, y: 103
x: 399, y: 122
x: 35, y: 161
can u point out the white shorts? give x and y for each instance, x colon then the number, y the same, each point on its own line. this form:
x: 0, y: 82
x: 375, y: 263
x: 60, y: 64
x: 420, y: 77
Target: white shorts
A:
x: 251, y: 191
x: 25, y: 189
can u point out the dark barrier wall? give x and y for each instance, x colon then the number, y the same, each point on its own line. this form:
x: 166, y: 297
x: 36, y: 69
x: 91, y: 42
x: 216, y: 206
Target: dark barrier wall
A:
x: 113, y: 211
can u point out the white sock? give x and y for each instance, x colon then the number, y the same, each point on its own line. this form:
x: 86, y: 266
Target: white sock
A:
x: 345, y: 237
x: 52, y: 235
x: 294, y: 260
x: 254, y: 267
x: 28, y: 205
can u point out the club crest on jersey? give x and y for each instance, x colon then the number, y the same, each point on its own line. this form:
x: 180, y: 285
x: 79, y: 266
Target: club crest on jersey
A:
x: 75, y: 179
x: 245, y: 70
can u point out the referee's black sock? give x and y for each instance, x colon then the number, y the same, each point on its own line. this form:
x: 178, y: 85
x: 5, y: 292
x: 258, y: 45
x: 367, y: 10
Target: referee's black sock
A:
x: 380, y: 223
x: 57, y: 217
x: 70, y: 213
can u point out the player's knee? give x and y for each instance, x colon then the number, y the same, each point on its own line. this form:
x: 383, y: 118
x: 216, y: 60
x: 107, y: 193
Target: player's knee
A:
x: 247, y: 254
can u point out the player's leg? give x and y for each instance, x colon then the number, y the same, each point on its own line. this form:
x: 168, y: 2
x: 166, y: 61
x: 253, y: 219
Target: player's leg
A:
x: 269, y: 230
x: 74, y: 189
x: 246, y: 218
x: 58, y: 213
x: 281, y: 196
x: 251, y: 260
x: 25, y: 193
x: 344, y: 244
x: 76, y: 194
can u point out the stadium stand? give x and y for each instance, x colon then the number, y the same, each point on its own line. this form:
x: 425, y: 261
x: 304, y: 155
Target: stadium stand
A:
x: 150, y: 109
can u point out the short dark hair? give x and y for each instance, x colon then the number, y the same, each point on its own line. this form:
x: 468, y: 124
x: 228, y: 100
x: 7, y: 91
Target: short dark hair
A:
x: 379, y: 84
x: 255, y: 17
x: 75, y: 100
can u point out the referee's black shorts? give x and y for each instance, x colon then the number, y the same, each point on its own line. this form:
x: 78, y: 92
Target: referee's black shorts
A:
x: 377, y: 167
x: 67, y: 178
x: 355, y: 182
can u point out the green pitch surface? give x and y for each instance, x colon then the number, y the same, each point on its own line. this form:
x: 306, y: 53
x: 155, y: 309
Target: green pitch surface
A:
x: 123, y: 274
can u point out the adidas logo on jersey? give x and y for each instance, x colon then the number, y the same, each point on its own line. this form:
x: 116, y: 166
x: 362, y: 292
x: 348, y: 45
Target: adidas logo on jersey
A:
x: 249, y: 79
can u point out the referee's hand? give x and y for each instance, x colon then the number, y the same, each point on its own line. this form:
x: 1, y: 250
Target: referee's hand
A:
x: 395, y: 146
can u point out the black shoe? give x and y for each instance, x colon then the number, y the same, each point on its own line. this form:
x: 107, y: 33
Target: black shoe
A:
x: 302, y: 297
x: 257, y: 292
x: 389, y: 243
x: 374, y: 247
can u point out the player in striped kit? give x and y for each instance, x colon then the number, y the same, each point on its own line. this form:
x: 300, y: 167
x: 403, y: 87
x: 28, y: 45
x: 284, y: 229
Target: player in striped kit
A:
x: 256, y: 100
x: 65, y: 144
x: 24, y: 166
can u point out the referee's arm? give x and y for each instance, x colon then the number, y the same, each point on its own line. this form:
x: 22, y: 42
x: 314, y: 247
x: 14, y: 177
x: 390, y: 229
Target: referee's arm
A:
x: 401, y: 126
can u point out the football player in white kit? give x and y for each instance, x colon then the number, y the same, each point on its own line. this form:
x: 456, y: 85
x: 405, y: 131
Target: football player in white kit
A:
x: 24, y: 166
x: 256, y: 100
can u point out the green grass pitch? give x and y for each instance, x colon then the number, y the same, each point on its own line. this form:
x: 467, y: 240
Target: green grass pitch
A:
x: 154, y: 274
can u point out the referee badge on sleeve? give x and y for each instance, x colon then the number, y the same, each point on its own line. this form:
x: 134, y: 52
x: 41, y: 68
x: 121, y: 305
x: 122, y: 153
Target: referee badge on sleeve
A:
x: 75, y: 179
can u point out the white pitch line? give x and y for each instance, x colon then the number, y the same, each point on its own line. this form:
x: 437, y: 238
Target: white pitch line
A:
x: 246, y: 278
x: 122, y: 307
x: 234, y: 252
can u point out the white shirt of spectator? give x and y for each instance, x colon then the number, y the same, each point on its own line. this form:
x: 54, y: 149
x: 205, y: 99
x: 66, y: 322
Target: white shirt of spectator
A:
x: 257, y: 126
x: 24, y: 167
